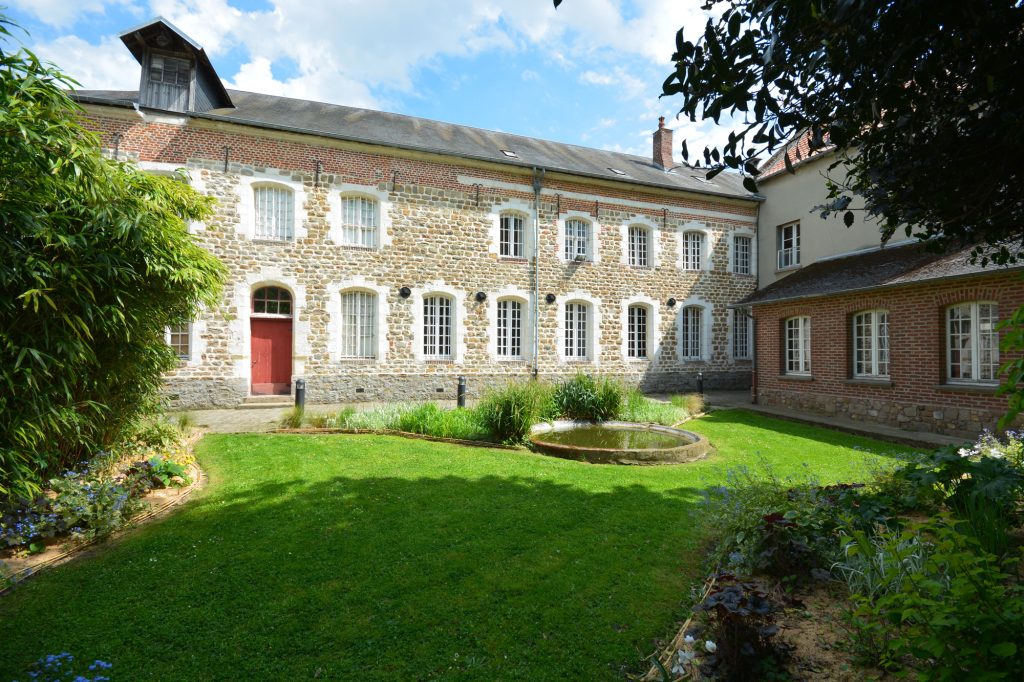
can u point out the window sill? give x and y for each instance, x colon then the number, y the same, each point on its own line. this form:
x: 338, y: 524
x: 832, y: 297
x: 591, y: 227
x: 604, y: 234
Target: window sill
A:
x: 514, y: 259
x: 439, y: 361
x: 638, y: 361
x: 267, y: 240
x: 791, y: 268
x: 748, y: 275
x: 867, y: 381
x: 796, y: 377
x: 358, y: 361
x: 358, y: 247
x: 511, y: 361
x: 983, y: 389
x: 578, y: 361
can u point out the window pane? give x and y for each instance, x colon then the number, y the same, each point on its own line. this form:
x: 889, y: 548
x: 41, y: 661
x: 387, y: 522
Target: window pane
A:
x: 690, y: 332
x: 359, y: 221
x: 740, y: 335
x: 741, y: 255
x: 274, y: 213
x: 510, y: 329
x: 576, y: 330
x: 512, y: 230
x: 638, y: 246
x: 179, y: 337
x: 437, y: 327
x: 359, y: 324
x: 577, y: 239
x: 693, y: 247
x: 636, y: 332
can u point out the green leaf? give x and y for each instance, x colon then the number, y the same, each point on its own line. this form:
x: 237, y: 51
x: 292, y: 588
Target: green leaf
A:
x: 1004, y: 649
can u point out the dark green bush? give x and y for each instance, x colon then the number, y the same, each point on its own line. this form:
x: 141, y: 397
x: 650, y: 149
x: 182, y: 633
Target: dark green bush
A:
x: 510, y: 412
x: 585, y: 398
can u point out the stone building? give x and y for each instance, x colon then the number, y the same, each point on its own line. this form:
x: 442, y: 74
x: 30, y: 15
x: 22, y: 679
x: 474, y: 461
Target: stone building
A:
x: 380, y: 256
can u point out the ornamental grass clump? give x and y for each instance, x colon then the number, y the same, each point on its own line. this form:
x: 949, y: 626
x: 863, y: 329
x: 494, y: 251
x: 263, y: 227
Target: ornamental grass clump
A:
x: 585, y: 398
x: 509, y: 413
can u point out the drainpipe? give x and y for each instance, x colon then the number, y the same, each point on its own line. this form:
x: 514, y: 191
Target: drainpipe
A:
x: 538, y: 182
x: 753, y: 358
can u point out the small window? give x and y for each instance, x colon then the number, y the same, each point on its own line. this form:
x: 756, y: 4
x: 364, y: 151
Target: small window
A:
x: 512, y: 231
x: 272, y: 301
x: 179, y: 338
x: 577, y: 240
x: 360, y: 218
x: 871, y: 344
x: 510, y: 329
x: 509, y: 153
x: 798, y: 346
x: 617, y: 171
x: 741, y: 255
x: 973, y: 343
x: 576, y: 337
x: 693, y: 250
x: 169, y: 70
x: 741, y: 327
x: 690, y: 333
x: 275, y: 213
x: 437, y: 327
x: 358, y: 324
x: 788, y: 241
x: 639, y: 246
x: 636, y: 332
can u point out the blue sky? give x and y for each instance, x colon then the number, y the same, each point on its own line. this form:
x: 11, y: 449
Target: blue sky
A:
x: 589, y: 73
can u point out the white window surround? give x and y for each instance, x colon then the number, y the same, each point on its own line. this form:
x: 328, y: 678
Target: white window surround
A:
x: 518, y: 206
x: 334, y: 322
x: 196, y: 340
x: 707, y: 247
x: 653, y: 327
x: 595, y: 229
x: 240, y: 340
x: 335, y: 231
x: 978, y: 341
x: 458, y: 321
x: 797, y: 356
x: 653, y: 240
x: 706, y: 320
x: 523, y: 297
x: 733, y: 314
x: 593, y: 327
x: 247, y: 209
x: 870, y: 352
x: 749, y: 234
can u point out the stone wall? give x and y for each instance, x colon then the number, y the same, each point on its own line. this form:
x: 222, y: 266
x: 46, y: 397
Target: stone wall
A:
x: 440, y: 237
x: 917, y: 395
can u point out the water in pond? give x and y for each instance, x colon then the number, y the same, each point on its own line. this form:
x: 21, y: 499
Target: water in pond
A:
x: 615, y: 438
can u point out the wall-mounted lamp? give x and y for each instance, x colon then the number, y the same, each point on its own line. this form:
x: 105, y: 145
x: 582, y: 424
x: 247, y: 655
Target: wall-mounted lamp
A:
x: 671, y: 303
x: 405, y: 292
x: 480, y: 297
x: 550, y: 298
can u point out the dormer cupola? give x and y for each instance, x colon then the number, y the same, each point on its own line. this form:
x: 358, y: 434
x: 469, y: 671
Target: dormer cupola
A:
x: 176, y: 73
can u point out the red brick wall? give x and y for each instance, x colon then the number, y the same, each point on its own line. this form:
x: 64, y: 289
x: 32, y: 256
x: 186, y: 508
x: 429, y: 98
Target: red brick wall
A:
x: 917, y: 397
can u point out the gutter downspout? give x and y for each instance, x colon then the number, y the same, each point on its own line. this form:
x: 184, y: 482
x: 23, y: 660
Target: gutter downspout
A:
x: 753, y: 357
x: 538, y: 182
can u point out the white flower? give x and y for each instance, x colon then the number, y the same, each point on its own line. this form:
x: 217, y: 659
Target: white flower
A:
x: 688, y: 639
x: 710, y: 646
x: 964, y: 452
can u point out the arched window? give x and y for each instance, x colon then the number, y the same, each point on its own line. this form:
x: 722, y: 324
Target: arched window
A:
x: 637, y: 317
x: 797, y: 357
x: 871, y: 344
x: 275, y: 212
x: 512, y: 235
x: 272, y: 301
x: 510, y: 328
x: 577, y: 240
x: 972, y: 344
x: 358, y: 324
x: 691, y: 333
x: 437, y: 327
x: 639, y: 246
x: 693, y: 250
x: 360, y: 220
x: 577, y: 337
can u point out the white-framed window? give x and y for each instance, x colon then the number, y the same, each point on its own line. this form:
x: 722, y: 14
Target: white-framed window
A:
x: 639, y: 246
x: 741, y: 254
x: 972, y: 343
x: 179, y: 338
x: 871, y: 344
x: 637, y: 317
x: 512, y: 235
x: 742, y: 326
x: 577, y: 341
x: 577, y: 240
x: 360, y: 220
x: 358, y: 324
x: 437, y: 327
x: 274, y: 211
x: 787, y: 239
x: 691, y: 333
x: 272, y: 302
x: 797, y: 347
x: 693, y: 250
x: 509, y: 329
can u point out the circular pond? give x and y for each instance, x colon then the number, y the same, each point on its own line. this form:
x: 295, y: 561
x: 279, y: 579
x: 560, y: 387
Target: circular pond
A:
x: 619, y: 442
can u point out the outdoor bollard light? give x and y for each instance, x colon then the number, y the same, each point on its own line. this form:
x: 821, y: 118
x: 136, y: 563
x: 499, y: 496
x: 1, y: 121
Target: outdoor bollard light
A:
x: 700, y: 383
x: 460, y: 396
x: 300, y: 393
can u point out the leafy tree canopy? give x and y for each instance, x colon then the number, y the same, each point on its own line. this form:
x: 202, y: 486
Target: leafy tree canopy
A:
x: 96, y: 262
x: 922, y: 99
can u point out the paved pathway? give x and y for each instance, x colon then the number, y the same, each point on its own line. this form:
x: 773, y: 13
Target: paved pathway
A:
x: 256, y: 418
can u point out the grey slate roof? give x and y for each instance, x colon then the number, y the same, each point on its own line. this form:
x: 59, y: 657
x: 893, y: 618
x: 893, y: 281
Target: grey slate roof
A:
x: 881, y: 268
x: 407, y: 132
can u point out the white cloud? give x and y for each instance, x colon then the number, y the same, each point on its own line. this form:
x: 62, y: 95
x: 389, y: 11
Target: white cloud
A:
x: 628, y: 85
x: 107, y: 66
x: 529, y: 75
x: 61, y: 13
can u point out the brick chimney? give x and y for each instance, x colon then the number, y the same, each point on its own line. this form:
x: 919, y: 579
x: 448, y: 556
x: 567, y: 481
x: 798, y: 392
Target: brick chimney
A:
x: 663, y: 146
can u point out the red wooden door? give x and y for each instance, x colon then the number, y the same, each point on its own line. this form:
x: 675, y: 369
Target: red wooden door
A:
x: 271, y: 356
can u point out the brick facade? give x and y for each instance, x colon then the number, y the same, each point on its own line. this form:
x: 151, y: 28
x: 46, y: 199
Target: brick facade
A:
x: 917, y: 396
x: 441, y: 217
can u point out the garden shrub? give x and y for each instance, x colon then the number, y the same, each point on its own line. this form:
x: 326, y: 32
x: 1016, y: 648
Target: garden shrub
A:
x: 431, y: 420
x: 585, y: 398
x: 510, y: 412
x: 693, y: 403
x: 293, y: 418
x: 639, y: 408
x: 741, y: 627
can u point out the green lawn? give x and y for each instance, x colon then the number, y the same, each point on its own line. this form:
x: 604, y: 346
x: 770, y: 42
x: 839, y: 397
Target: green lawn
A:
x: 372, y: 557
